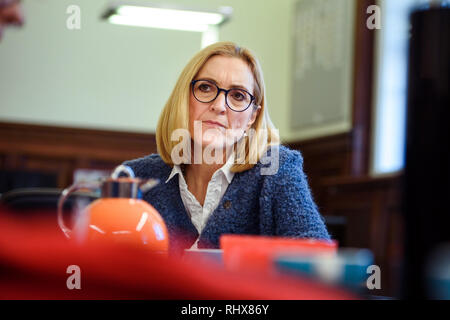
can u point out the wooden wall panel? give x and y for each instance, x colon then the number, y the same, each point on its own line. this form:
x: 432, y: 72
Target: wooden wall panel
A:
x: 372, y: 209
x: 325, y: 157
x: 63, y: 150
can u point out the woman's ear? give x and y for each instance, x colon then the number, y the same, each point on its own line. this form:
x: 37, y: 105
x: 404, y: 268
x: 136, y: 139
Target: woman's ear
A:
x: 253, y: 116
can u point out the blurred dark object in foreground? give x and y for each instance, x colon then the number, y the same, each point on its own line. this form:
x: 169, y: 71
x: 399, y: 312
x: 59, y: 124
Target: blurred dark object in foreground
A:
x: 15, y: 179
x: 27, y: 202
x: 34, y: 259
x: 438, y: 273
x: 427, y: 169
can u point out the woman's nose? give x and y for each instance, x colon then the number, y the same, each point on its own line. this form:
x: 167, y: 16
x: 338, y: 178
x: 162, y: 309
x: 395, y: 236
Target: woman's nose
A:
x: 219, y: 104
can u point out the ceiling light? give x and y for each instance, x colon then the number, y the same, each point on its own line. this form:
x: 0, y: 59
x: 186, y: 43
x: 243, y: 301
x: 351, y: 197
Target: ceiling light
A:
x: 174, y: 18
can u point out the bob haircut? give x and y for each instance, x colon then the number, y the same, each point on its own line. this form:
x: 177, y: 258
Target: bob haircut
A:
x: 175, y: 114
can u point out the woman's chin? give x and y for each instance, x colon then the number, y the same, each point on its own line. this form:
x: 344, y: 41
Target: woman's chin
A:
x: 216, y: 144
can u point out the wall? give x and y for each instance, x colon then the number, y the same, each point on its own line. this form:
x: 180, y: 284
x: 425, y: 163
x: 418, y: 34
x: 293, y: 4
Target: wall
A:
x: 118, y: 78
x: 102, y: 76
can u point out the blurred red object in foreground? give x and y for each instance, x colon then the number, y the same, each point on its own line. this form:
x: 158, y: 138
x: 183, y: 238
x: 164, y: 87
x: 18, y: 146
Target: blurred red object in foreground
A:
x: 247, y: 253
x: 34, y: 259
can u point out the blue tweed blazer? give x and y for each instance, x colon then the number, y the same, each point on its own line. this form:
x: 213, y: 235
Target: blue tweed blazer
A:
x: 280, y: 204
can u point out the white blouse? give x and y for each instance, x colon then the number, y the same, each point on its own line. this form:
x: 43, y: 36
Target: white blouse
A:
x: 217, y: 187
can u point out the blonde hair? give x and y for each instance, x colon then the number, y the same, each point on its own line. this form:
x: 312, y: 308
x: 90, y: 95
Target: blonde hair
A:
x: 175, y: 114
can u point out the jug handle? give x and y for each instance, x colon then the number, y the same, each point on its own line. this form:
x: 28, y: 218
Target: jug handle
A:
x: 64, y: 195
x: 122, y: 169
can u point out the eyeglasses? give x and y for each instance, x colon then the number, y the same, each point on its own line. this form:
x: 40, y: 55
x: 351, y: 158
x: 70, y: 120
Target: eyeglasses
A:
x: 207, y: 91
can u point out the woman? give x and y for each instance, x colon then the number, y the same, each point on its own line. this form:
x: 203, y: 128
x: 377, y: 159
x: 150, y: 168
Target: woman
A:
x: 219, y: 162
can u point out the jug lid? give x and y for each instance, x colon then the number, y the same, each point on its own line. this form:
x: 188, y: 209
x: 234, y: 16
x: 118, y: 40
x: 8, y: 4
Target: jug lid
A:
x: 125, y: 187
x: 121, y: 188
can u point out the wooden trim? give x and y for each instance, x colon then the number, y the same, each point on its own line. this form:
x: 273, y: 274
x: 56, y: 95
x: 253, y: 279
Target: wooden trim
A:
x: 69, y: 142
x: 362, y: 91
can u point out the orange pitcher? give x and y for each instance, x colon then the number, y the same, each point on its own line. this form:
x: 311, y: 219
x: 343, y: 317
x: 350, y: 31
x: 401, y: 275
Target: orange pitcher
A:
x: 119, y: 215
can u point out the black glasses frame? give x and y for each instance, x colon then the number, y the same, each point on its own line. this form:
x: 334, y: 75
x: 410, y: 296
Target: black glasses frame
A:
x: 252, y: 98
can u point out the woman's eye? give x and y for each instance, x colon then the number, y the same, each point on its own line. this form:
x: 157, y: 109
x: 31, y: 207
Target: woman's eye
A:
x: 237, y: 95
x: 204, y: 87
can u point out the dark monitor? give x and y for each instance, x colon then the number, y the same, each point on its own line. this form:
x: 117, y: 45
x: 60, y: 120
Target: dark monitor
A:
x: 426, y: 196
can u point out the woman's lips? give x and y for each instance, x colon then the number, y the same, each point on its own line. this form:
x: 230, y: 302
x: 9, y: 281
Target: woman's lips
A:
x: 214, y: 123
